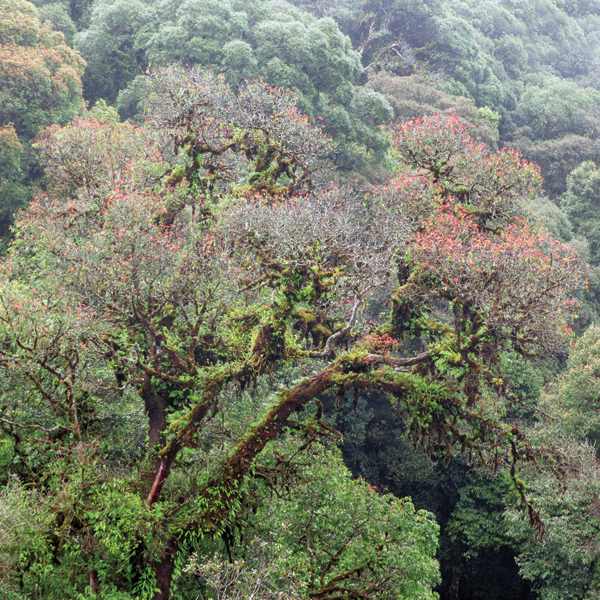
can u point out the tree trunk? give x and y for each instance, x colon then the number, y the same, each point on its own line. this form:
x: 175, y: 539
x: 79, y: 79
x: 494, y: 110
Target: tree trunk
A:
x: 457, y: 551
x: 94, y: 581
x: 163, y: 570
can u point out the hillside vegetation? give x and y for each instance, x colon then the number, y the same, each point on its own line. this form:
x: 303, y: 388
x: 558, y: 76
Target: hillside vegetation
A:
x: 300, y: 300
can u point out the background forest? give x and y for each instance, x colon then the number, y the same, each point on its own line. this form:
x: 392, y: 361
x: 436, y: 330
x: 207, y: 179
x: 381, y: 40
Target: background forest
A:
x: 282, y: 313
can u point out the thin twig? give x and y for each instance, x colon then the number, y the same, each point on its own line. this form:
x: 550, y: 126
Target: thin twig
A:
x: 33, y: 426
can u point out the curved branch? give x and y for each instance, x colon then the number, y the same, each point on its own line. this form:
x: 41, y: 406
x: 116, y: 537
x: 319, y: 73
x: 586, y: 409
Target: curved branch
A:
x: 338, y: 335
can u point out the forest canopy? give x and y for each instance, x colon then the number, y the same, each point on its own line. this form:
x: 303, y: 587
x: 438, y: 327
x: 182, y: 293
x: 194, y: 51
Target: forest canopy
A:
x: 299, y: 300
x: 175, y: 284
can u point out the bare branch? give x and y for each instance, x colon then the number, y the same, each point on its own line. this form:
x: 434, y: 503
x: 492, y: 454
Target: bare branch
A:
x: 338, y: 335
x: 34, y: 426
x: 397, y: 362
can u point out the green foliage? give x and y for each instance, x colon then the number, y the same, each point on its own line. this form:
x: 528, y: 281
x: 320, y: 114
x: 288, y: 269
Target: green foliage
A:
x: 565, y: 564
x: 294, y: 50
x: 342, y: 533
x: 552, y: 217
x: 557, y: 158
x: 7, y: 455
x: 173, y: 289
x: 197, y: 271
x: 97, y: 526
x: 22, y: 535
x: 13, y: 189
x: 40, y: 75
x: 476, y: 553
x: 531, y: 62
x: 60, y: 19
x: 110, y: 47
x: 103, y: 113
x: 525, y: 378
x: 478, y: 517
x: 558, y: 120
x: 40, y: 84
x: 555, y: 107
x: 416, y: 96
x: 572, y: 398
x: 581, y: 203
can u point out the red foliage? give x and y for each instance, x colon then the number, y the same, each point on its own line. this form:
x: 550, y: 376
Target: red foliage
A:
x: 472, y: 243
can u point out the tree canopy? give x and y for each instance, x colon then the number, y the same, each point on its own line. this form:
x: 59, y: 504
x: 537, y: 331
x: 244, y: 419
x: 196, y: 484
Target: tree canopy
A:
x: 208, y: 284
x: 304, y: 245
x: 40, y: 83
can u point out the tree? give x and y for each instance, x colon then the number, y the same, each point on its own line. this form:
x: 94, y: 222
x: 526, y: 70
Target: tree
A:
x: 554, y: 108
x: 415, y: 96
x: 111, y: 48
x: 287, y: 47
x: 557, y: 125
x: 310, y: 56
x: 580, y: 203
x: 92, y: 157
x: 566, y: 564
x: 40, y: 75
x: 571, y: 399
x: 40, y: 79
x: 61, y: 21
x: 13, y: 192
x: 331, y: 537
x: 185, y: 296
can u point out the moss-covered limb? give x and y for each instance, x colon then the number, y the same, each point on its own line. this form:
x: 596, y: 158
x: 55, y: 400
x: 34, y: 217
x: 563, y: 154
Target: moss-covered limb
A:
x: 436, y: 410
x: 404, y: 313
x: 268, y: 348
x: 409, y: 314
x: 183, y: 432
x: 221, y: 490
x: 259, y: 282
x: 327, y: 350
x: 153, y: 323
x: 441, y: 421
x: 378, y: 359
x: 350, y: 368
x: 162, y: 473
x: 159, y: 374
x: 269, y: 345
x: 434, y: 328
x: 338, y: 335
x: 313, y: 324
x: 294, y: 287
x: 270, y: 160
x: 340, y: 592
x: 302, y: 277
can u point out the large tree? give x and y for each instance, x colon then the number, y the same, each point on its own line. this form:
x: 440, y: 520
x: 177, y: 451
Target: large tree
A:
x: 221, y: 289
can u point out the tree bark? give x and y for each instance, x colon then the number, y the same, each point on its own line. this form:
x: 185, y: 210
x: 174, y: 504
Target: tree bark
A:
x: 163, y: 570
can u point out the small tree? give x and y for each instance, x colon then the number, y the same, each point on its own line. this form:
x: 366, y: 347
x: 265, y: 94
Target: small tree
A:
x: 40, y: 74
x: 580, y: 202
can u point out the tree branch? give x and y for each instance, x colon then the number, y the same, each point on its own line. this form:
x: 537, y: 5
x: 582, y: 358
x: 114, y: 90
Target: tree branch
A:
x: 338, y: 335
x: 397, y: 362
x: 33, y: 426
